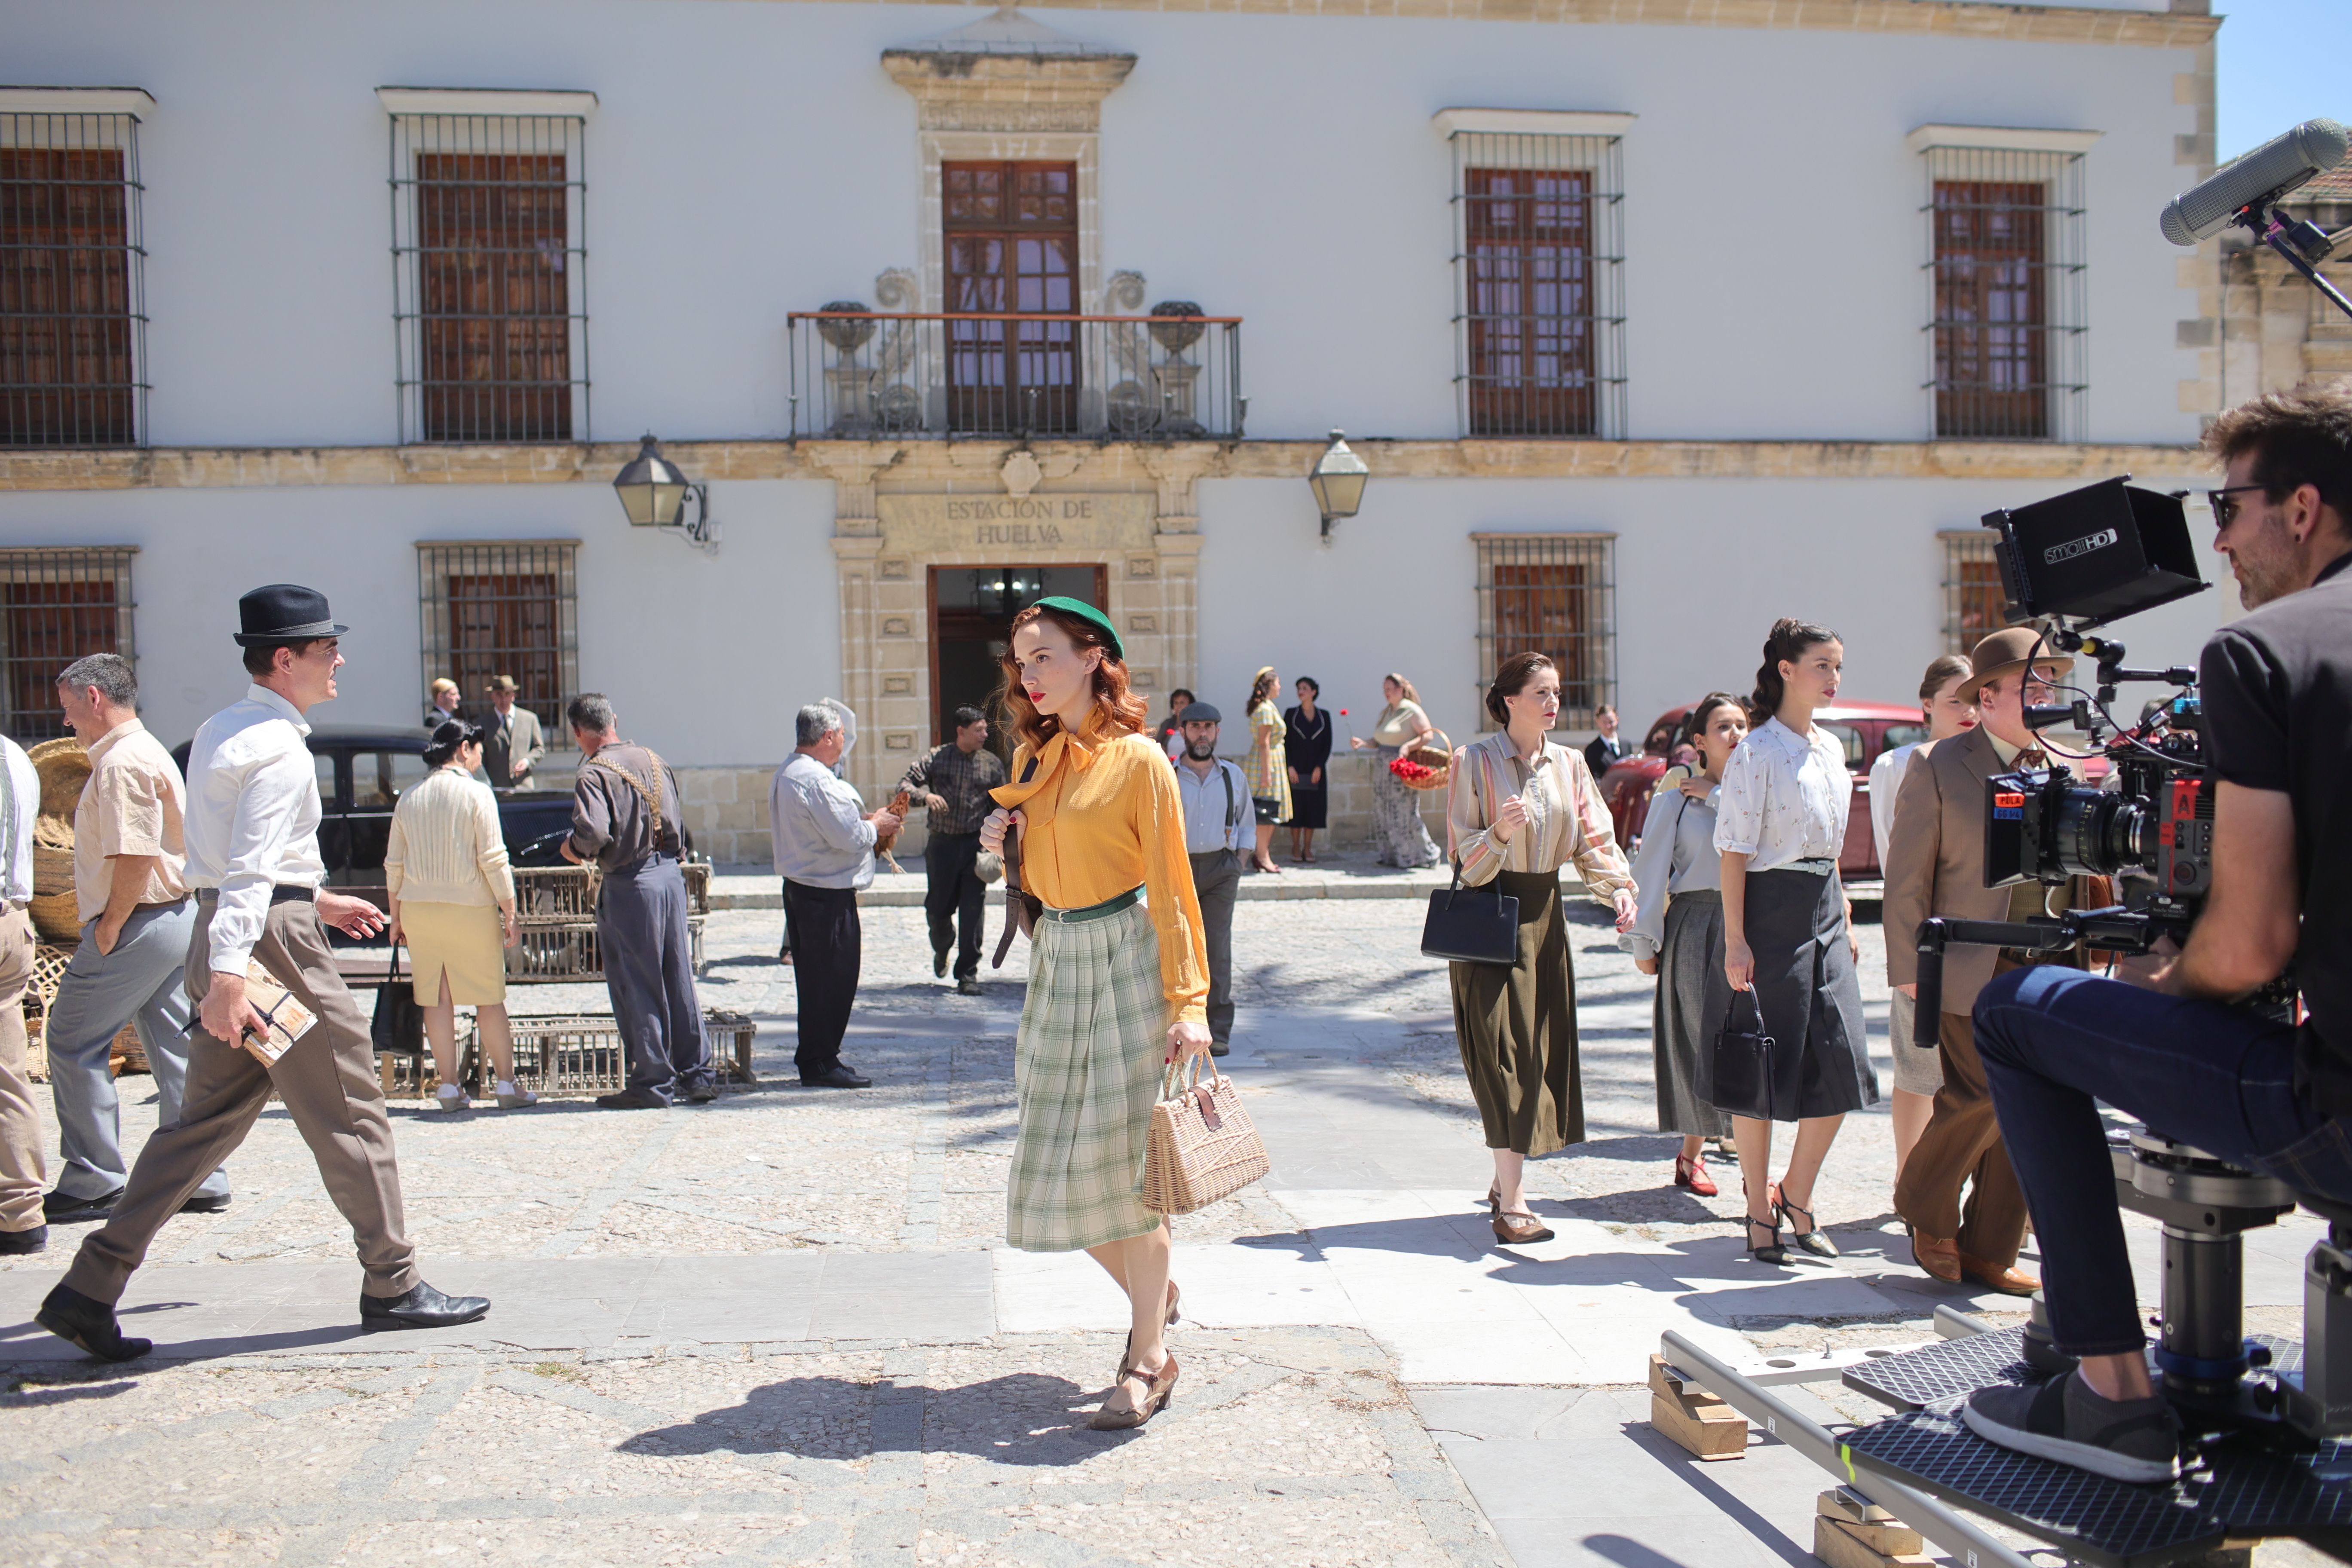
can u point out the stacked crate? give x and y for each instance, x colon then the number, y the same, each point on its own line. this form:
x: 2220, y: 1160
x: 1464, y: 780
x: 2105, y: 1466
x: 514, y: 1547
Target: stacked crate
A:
x: 559, y: 1057
x: 555, y: 906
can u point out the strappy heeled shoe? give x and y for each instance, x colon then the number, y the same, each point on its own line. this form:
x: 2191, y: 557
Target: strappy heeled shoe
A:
x: 1494, y: 1200
x: 1691, y: 1173
x: 1772, y: 1252
x: 1128, y: 1349
x: 1518, y: 1229
x: 1810, y: 1238
x: 1158, y: 1391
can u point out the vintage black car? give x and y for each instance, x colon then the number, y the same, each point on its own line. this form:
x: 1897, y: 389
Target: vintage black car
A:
x: 362, y: 768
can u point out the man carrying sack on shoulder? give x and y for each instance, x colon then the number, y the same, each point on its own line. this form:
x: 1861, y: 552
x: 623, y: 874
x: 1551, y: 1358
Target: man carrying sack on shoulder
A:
x: 1936, y: 867
x: 627, y: 818
x: 252, y: 841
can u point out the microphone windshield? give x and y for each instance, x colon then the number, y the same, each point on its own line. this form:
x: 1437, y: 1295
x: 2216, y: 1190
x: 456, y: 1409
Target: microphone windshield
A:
x: 2269, y: 172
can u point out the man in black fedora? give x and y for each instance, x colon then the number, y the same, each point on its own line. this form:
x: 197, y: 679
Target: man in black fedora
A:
x: 252, y: 840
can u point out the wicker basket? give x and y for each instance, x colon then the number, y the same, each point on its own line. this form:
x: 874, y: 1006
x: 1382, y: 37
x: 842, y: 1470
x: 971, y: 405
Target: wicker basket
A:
x: 1432, y: 751
x: 569, y: 1057
x: 64, y: 768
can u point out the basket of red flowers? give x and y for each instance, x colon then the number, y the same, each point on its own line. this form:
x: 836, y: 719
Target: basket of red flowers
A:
x: 1425, y: 762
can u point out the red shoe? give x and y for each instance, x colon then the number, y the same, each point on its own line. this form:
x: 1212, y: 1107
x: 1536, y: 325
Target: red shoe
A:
x: 1692, y: 1173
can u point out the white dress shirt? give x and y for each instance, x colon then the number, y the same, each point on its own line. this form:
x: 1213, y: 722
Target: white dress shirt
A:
x: 822, y: 836
x: 253, y: 817
x: 1213, y: 819
x: 20, y: 803
x: 1784, y: 797
x: 1885, y: 778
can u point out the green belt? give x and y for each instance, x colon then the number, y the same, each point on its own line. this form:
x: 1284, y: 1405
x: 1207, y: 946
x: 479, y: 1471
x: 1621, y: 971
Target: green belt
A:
x: 1103, y: 910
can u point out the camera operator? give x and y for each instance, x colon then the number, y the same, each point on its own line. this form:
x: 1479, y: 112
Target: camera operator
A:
x: 2169, y: 1047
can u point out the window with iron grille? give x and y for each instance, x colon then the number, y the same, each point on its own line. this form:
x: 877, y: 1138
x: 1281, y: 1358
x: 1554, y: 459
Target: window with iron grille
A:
x: 1974, y: 605
x: 2007, y: 333
x: 73, y: 315
x: 502, y: 608
x: 57, y: 604
x: 1538, y: 313
x: 491, y: 299
x: 1554, y: 594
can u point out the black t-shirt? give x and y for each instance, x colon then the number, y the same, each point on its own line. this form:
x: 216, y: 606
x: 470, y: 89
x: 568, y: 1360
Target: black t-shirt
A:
x: 2278, y: 714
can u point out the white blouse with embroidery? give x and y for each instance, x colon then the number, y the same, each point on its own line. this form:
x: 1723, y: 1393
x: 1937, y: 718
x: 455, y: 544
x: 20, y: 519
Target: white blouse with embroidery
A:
x: 1784, y: 797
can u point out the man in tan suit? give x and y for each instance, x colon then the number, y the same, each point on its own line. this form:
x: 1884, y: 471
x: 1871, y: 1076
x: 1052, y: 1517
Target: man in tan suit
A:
x: 511, y: 743
x: 1935, y: 866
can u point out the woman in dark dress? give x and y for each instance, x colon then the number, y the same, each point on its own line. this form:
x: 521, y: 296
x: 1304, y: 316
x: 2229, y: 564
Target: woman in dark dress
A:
x: 1307, y: 731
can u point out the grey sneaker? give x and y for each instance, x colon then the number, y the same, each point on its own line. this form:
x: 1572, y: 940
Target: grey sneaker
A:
x: 2064, y: 1420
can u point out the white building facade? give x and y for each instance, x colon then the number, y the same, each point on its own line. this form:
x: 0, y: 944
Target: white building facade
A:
x: 1654, y: 321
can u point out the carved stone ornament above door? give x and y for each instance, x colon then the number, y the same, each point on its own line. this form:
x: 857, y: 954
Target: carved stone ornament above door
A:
x: 1007, y: 72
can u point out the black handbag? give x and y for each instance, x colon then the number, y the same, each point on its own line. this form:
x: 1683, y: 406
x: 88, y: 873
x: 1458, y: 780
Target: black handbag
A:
x: 1471, y: 925
x: 1743, y: 1065
x: 399, y: 1026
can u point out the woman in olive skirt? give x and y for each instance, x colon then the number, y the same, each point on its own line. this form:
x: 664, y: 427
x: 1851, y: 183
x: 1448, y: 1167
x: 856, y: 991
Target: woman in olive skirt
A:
x: 1118, y: 974
x: 1788, y: 937
x: 1678, y: 934
x: 1519, y: 809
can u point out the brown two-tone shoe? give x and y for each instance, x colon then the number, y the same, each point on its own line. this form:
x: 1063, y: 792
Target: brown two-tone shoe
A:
x: 1519, y: 1229
x: 1938, y: 1257
x: 1158, y: 1390
x: 2008, y: 1281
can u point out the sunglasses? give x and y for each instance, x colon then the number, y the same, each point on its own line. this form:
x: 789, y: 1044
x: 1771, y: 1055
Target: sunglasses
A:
x: 2225, y: 511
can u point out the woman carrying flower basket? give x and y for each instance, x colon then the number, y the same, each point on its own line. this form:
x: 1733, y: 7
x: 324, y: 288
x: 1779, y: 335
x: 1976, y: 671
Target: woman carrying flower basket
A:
x: 1397, y: 837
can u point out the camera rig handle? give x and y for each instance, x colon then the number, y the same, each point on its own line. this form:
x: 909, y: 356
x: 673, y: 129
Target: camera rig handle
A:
x: 1937, y: 932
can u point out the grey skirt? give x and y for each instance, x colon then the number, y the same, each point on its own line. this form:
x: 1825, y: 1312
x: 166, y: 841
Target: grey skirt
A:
x: 1810, y: 995
x: 1692, y: 996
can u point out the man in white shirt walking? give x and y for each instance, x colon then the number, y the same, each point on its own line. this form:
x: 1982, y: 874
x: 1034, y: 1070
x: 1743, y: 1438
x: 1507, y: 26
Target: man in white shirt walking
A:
x: 130, y: 884
x: 1217, y: 834
x: 824, y: 853
x: 253, y: 859
x: 21, y: 1226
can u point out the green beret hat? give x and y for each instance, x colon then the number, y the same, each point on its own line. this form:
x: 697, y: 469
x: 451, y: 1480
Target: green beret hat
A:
x: 1089, y: 614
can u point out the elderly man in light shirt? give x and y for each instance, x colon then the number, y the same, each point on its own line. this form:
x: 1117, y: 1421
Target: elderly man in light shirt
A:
x: 1218, y: 824
x: 824, y: 853
x: 252, y: 834
x: 21, y: 1226
x: 130, y: 884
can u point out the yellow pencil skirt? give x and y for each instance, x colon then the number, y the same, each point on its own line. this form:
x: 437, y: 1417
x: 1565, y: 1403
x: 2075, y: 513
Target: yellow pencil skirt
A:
x: 461, y: 940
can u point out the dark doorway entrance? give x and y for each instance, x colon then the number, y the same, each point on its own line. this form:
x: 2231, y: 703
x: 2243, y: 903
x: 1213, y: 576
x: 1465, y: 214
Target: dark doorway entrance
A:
x: 971, y: 625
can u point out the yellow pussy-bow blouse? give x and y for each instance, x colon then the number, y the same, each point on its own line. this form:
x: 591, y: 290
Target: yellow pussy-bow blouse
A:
x: 1103, y: 816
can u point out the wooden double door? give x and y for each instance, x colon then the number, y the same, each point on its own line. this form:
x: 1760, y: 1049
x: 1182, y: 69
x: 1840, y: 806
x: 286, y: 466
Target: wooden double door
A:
x: 1011, y: 230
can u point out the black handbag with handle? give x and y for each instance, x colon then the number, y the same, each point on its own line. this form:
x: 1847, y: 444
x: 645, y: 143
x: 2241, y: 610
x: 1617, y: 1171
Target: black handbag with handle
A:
x: 1742, y: 1060
x: 399, y: 1026
x: 1471, y: 925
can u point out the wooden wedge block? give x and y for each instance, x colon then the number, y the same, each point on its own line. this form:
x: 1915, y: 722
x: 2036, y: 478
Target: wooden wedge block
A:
x: 1845, y: 1503
x: 1666, y: 1384
x: 1892, y: 1539
x: 1835, y: 1544
x: 1711, y: 1429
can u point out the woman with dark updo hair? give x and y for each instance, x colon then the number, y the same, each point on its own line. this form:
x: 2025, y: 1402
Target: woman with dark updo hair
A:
x: 453, y: 900
x: 1520, y: 808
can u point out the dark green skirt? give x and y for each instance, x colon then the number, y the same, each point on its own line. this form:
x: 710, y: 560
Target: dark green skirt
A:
x: 1517, y: 1028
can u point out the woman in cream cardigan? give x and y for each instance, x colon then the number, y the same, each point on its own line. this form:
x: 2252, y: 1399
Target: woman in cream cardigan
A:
x: 453, y: 900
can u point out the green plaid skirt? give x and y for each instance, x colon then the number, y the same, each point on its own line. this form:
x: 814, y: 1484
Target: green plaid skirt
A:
x: 1086, y: 1072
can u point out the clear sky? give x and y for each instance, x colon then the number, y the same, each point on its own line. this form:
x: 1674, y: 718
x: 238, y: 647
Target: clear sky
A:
x: 2280, y: 62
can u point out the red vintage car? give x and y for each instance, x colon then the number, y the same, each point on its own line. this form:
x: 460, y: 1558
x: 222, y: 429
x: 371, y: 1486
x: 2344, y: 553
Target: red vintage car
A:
x: 1866, y: 728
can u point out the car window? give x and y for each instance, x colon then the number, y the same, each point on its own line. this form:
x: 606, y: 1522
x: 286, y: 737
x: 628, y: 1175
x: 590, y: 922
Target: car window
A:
x: 1903, y: 735
x: 1849, y: 738
x: 378, y: 778
x: 326, y: 764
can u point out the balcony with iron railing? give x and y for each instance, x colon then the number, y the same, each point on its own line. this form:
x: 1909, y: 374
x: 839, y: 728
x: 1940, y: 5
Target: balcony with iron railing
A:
x: 1173, y: 375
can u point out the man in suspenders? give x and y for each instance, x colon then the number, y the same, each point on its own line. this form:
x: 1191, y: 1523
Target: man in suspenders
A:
x: 1217, y: 832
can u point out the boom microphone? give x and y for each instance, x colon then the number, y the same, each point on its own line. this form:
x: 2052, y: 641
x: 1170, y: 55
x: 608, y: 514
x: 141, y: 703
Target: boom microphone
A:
x: 2264, y: 174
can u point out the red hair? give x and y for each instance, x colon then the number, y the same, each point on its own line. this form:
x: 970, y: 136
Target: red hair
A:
x: 1117, y: 706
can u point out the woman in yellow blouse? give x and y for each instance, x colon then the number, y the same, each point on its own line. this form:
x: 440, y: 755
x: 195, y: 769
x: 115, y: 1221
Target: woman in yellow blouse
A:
x: 1118, y: 986
x: 1270, y: 768
x: 1519, y: 809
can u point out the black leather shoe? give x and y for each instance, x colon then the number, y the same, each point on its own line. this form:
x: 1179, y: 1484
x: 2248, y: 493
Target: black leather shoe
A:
x: 940, y: 961
x: 59, y: 1208
x: 36, y: 1240
x: 702, y: 1093
x: 422, y: 1308
x: 1218, y: 1048
x: 837, y: 1076
x: 89, y: 1325
x: 633, y: 1100
x: 967, y: 987
x: 200, y: 1204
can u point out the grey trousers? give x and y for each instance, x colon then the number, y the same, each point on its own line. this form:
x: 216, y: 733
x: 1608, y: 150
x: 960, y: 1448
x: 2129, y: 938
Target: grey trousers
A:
x: 649, y: 973
x: 138, y: 984
x: 328, y: 1080
x: 1216, y: 882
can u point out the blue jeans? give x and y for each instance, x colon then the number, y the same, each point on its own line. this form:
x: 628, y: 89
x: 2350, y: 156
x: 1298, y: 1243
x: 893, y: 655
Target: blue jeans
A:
x: 2211, y: 1076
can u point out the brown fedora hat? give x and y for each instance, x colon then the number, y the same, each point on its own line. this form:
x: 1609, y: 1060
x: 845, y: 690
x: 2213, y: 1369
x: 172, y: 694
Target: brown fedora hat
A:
x: 2006, y: 650
x: 502, y: 683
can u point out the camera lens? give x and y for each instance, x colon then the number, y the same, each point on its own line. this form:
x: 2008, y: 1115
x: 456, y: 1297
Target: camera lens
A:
x: 2099, y: 834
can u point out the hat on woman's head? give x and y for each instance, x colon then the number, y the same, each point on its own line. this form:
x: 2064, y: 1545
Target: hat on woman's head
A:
x: 284, y: 612
x: 1085, y: 611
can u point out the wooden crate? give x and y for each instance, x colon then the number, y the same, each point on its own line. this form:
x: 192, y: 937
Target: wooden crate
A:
x: 566, y: 895
x: 573, y: 1057
x: 569, y: 953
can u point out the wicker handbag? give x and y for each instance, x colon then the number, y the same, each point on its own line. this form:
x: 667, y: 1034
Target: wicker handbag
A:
x: 1202, y: 1145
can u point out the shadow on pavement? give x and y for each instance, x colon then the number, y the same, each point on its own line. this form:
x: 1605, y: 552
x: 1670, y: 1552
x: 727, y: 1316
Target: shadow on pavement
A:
x: 1027, y: 1420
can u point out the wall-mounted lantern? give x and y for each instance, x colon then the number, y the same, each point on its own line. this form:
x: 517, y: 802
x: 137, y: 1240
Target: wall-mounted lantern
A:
x: 654, y: 494
x: 1338, y: 480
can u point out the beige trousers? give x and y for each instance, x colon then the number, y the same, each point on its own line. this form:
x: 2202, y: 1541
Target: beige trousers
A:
x: 23, y: 1173
x: 328, y: 1080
